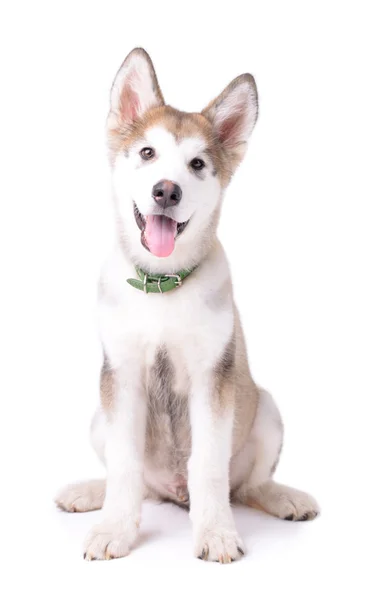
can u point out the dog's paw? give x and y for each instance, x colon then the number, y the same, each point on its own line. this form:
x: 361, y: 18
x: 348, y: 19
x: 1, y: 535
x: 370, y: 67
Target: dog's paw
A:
x: 283, y: 502
x: 110, y: 540
x: 219, y: 545
x: 81, y: 497
x: 298, y: 506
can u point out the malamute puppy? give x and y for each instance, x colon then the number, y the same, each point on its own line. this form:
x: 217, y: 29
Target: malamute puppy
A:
x: 180, y: 417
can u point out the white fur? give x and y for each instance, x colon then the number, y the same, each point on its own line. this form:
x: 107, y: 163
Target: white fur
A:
x: 133, y: 181
x: 265, y: 438
x: 124, y: 453
x: 214, y: 530
x: 82, y: 496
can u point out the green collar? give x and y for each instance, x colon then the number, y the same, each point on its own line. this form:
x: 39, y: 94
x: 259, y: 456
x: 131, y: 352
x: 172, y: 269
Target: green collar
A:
x: 153, y: 283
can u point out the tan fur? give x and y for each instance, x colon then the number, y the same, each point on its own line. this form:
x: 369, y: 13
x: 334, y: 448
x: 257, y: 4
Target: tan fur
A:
x: 246, y: 391
x: 107, y: 387
x: 168, y: 429
x: 181, y: 125
x: 223, y: 396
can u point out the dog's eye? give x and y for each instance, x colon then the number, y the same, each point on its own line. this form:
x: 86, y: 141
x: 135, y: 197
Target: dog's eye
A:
x: 147, y: 153
x: 197, y: 164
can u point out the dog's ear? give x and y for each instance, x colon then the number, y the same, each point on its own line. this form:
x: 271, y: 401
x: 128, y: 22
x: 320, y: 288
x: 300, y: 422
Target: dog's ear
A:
x: 135, y: 89
x: 233, y: 115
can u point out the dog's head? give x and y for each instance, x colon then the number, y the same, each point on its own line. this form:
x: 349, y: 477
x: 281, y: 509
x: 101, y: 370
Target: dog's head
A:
x: 170, y: 167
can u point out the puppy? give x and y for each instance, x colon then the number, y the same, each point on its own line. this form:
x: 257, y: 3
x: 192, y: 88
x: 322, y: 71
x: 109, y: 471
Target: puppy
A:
x: 180, y: 418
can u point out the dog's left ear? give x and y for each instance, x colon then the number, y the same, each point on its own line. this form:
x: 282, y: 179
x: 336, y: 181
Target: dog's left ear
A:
x: 233, y: 115
x: 135, y: 89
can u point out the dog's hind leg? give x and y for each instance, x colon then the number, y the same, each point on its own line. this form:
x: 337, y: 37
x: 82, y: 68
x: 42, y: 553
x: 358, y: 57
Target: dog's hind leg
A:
x: 87, y: 495
x: 282, y: 501
x: 82, y: 497
x: 259, y: 490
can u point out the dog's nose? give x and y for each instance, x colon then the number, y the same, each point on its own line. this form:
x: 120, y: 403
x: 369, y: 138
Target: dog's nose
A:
x: 167, y: 193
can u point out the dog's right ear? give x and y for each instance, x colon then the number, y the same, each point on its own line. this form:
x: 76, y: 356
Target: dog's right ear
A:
x: 135, y: 89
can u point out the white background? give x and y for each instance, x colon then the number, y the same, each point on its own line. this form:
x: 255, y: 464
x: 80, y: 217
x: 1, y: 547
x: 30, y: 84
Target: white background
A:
x: 297, y: 226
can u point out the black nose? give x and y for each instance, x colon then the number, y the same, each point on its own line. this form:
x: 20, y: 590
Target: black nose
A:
x: 167, y: 193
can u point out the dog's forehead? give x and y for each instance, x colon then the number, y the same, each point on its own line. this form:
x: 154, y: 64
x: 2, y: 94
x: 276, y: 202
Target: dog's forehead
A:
x: 164, y: 139
x: 166, y: 127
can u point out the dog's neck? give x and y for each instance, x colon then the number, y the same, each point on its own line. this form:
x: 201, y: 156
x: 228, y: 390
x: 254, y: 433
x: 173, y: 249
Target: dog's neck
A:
x: 153, y: 283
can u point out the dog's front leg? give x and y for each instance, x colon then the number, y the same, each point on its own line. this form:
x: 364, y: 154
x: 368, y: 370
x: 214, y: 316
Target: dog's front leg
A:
x: 211, y: 413
x: 124, y: 454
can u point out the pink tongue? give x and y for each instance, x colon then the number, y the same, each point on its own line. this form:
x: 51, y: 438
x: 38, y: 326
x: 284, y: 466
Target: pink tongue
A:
x: 160, y: 233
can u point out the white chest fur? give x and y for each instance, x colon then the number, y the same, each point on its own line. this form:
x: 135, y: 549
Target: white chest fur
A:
x: 194, y: 322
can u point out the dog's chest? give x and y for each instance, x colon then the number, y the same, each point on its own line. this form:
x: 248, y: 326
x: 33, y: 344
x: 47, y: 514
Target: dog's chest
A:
x: 137, y: 325
x: 168, y: 427
x: 163, y: 343
x: 168, y: 337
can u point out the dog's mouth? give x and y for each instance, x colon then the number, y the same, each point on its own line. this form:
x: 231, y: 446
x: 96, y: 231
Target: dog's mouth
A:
x: 158, y: 232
